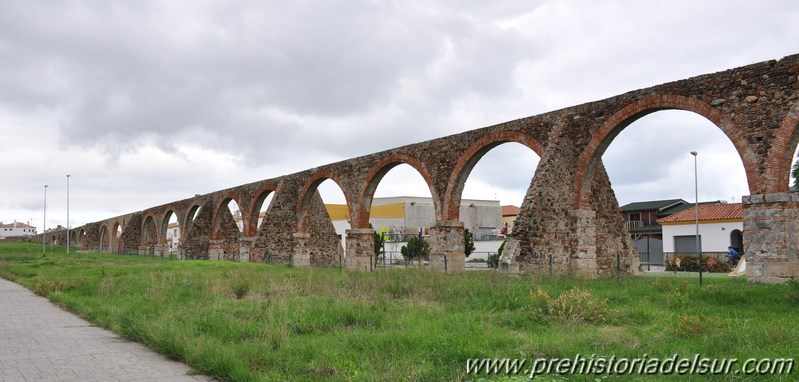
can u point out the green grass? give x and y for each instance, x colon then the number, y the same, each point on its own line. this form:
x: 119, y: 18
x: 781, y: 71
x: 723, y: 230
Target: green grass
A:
x: 254, y: 322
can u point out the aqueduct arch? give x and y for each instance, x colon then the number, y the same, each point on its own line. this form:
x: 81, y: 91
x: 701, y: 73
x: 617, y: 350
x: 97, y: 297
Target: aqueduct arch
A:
x: 640, y: 108
x: 570, y: 210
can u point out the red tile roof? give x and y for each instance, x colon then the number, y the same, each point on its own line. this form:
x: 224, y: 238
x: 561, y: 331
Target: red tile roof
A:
x: 510, y: 210
x: 731, y: 211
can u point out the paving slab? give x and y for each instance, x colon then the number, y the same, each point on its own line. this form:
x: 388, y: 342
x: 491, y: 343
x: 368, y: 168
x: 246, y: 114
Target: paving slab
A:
x: 41, y: 342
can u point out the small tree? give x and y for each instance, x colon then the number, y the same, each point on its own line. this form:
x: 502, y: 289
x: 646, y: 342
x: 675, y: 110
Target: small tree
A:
x: 416, y: 247
x: 468, y: 242
x: 379, y: 240
x: 795, y: 174
x: 493, y: 260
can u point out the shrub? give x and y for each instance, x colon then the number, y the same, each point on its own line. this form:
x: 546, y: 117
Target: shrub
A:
x: 240, y: 288
x: 416, y: 247
x: 45, y: 288
x: 575, y: 305
x: 690, y: 263
x: 692, y: 325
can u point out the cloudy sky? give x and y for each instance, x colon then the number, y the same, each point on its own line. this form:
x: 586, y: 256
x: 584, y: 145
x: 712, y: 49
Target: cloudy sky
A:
x: 147, y: 102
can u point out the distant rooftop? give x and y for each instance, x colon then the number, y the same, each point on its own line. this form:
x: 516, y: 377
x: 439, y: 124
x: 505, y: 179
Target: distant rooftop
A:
x: 651, y: 205
x: 707, y: 212
x: 510, y: 210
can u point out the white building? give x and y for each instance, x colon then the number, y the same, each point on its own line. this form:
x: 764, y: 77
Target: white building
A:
x: 720, y: 226
x: 16, y: 229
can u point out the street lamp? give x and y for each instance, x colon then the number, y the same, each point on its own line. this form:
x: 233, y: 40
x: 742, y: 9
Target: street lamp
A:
x: 44, y: 225
x: 67, y: 213
x: 696, y: 196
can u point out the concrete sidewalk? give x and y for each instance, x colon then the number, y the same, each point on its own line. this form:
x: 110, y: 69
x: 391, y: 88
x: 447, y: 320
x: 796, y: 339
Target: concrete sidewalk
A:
x: 41, y: 342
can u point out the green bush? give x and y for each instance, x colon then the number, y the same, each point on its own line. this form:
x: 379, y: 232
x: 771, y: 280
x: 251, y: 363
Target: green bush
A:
x: 45, y: 288
x: 693, y: 325
x: 690, y: 263
x: 575, y: 305
x: 240, y: 288
x: 416, y: 247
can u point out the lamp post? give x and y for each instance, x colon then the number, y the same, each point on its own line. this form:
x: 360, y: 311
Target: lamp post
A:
x: 696, y: 196
x: 67, y: 213
x: 44, y: 225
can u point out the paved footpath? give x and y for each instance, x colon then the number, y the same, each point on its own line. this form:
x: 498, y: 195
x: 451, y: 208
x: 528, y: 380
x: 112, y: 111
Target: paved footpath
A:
x: 41, y: 342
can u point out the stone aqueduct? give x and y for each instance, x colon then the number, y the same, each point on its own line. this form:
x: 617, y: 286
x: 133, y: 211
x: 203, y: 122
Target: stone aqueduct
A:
x: 569, y: 212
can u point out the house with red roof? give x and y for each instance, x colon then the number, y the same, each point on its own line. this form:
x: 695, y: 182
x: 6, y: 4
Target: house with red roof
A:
x: 509, y: 214
x: 720, y: 226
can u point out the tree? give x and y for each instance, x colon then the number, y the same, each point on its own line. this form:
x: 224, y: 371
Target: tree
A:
x: 379, y: 240
x: 416, y: 247
x: 493, y: 260
x: 795, y: 174
x: 468, y: 242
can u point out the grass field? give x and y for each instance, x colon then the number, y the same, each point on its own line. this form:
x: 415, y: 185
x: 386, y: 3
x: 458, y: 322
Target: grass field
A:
x: 254, y: 322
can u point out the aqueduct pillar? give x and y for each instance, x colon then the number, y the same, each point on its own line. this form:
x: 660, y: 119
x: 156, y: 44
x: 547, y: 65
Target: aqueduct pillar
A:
x: 360, y: 248
x: 771, y: 229
x: 447, y: 246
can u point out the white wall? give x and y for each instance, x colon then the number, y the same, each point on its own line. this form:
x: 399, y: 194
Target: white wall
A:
x: 715, y: 236
x: 17, y: 231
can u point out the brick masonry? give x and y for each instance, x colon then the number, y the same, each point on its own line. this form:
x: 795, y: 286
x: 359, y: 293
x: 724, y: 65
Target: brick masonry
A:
x: 569, y: 212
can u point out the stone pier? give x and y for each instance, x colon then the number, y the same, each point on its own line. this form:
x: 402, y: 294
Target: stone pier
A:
x: 360, y: 248
x: 583, y: 259
x: 771, y: 237
x: 446, y: 242
x: 216, y: 250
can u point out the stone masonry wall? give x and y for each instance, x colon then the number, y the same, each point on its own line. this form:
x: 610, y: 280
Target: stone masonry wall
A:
x: 131, y: 234
x: 196, y: 243
x: 542, y: 227
x: 612, y: 237
x: 771, y: 237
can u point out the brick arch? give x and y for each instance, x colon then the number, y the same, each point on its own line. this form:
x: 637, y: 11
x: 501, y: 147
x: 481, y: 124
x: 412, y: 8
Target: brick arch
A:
x: 376, y: 174
x: 307, y: 191
x: 780, y: 156
x: 628, y: 114
x: 251, y: 229
x: 217, y: 215
x: 469, y: 159
x: 143, y: 238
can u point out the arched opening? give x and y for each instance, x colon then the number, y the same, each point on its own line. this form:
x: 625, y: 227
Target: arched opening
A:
x: 194, y: 211
x: 323, y: 211
x: 259, y: 209
x: 170, y: 233
x: 651, y: 169
x: 494, y: 183
x: 105, y: 240
x: 793, y: 176
x: 116, y: 242
x: 402, y: 206
x: 228, y: 226
x: 149, y: 235
x: 737, y: 240
x: 82, y: 238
